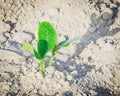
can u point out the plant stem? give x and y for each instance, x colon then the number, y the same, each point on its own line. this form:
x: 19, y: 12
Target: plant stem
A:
x: 51, y: 59
x: 42, y: 66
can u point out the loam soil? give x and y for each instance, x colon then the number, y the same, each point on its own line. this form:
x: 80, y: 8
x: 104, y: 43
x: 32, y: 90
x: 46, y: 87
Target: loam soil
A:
x: 88, y: 67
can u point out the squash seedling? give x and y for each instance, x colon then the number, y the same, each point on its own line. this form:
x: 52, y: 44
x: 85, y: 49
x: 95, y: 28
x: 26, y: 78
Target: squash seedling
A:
x: 47, y: 41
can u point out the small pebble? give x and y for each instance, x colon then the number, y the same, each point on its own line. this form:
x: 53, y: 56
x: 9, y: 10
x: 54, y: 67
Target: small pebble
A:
x: 108, y: 14
x: 4, y: 27
x: 2, y: 38
x: 6, y: 87
x: 69, y: 77
x: 7, y: 34
x: 71, y: 68
x: 22, y: 37
x: 53, y: 11
x: 74, y: 73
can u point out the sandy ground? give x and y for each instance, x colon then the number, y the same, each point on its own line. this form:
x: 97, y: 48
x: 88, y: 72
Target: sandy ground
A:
x: 89, y: 67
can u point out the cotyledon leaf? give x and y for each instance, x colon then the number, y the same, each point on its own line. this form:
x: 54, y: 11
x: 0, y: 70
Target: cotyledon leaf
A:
x: 47, y: 32
x: 66, y: 43
x: 42, y: 47
x: 29, y: 47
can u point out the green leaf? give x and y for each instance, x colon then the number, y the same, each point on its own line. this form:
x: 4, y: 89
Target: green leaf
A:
x: 42, y: 47
x: 37, y: 56
x: 55, y: 49
x: 29, y: 47
x: 47, y: 32
x: 66, y: 43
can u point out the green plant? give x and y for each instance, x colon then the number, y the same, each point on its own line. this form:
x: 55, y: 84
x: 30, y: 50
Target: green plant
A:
x: 47, y: 41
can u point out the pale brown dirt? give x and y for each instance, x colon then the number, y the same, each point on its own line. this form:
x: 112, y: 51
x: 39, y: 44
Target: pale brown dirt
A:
x: 89, y: 67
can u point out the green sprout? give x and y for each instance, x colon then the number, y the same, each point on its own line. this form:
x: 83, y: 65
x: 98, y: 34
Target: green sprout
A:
x: 47, y: 41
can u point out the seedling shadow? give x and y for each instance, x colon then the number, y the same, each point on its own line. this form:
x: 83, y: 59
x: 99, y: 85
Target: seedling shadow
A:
x: 64, y: 67
x: 101, y: 28
x: 105, y: 92
x: 17, y: 46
